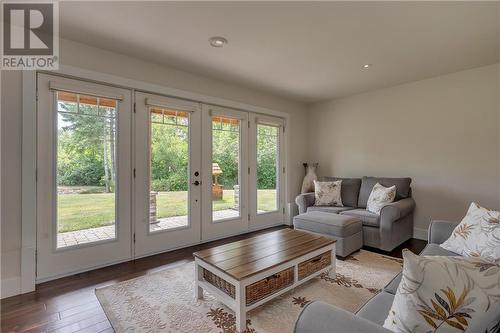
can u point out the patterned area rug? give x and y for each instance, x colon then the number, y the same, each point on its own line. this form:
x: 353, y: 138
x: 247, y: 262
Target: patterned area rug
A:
x: 164, y: 301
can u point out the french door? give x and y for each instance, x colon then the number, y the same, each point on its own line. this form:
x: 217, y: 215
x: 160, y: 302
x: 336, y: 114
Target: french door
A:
x: 83, y: 176
x: 167, y: 173
x: 123, y: 174
x: 267, y: 171
x: 225, y: 176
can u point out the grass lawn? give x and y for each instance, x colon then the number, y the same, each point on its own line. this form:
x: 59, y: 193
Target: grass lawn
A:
x: 83, y: 211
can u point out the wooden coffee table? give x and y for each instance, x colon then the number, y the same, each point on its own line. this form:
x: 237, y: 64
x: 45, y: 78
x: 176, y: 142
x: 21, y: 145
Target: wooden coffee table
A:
x: 245, y: 274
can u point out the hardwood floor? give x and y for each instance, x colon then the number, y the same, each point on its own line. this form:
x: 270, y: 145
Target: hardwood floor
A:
x: 69, y: 304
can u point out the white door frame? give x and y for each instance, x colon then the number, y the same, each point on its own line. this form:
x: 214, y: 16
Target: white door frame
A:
x: 146, y: 242
x: 215, y: 229
x: 29, y: 186
x: 267, y: 219
x: 56, y: 262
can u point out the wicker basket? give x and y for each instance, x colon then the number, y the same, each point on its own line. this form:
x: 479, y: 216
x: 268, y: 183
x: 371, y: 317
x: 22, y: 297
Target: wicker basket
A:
x: 313, y: 265
x: 220, y: 283
x: 257, y: 290
x: 265, y: 287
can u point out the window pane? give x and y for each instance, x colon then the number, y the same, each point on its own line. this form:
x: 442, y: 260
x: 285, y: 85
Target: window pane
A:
x: 86, y: 169
x: 168, y: 197
x: 267, y: 168
x: 225, y: 168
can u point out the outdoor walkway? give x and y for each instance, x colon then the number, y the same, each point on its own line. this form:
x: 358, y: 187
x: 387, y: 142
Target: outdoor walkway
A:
x: 90, y: 235
x: 83, y: 236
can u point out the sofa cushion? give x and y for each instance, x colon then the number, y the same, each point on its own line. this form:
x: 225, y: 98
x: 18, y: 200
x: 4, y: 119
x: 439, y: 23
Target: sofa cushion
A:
x: 327, y: 209
x: 327, y: 193
x: 450, y: 293
x: 368, y: 218
x: 478, y: 235
x: 381, y: 196
x: 367, y: 183
x: 349, y: 191
x: 328, y: 224
x: 319, y: 317
x: 392, y: 286
x: 377, y: 308
x: 436, y: 250
x: 429, y: 250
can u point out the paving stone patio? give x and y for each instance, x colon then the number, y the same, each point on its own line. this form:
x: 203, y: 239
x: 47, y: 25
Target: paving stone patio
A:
x: 90, y: 235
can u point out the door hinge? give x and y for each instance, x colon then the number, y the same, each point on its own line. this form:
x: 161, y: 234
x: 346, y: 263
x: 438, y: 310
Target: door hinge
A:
x: 249, y: 124
x: 134, y: 238
x: 283, y: 169
x: 283, y: 128
x: 248, y: 170
x: 249, y: 216
x: 283, y: 210
x: 36, y: 175
x: 134, y: 107
x: 134, y: 172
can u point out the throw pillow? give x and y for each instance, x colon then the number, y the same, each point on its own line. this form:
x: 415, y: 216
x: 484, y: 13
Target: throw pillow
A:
x: 327, y: 193
x: 478, y: 235
x: 379, y: 197
x: 445, y: 295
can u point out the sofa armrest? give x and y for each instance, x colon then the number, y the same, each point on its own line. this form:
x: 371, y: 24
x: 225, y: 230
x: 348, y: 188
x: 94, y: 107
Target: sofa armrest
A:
x: 304, y: 200
x: 319, y: 317
x: 396, y: 210
x: 440, y: 231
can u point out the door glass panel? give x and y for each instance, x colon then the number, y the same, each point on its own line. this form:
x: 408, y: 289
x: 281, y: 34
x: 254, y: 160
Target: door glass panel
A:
x: 169, y: 169
x: 267, y: 168
x: 86, y: 169
x: 225, y: 168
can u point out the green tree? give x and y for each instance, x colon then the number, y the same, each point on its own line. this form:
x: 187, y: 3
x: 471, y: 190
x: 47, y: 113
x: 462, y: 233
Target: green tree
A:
x: 225, y: 152
x: 86, y: 151
x: 86, y: 143
x: 267, y: 156
x: 169, y: 157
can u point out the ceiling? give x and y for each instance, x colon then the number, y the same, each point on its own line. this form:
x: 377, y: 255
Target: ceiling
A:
x: 303, y: 51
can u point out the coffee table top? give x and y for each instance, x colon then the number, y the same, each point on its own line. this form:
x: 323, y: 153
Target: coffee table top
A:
x: 248, y: 257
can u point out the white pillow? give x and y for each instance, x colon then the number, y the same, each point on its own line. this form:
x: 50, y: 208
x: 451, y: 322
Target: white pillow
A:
x: 478, y: 235
x: 327, y: 193
x: 379, y: 197
x: 445, y: 295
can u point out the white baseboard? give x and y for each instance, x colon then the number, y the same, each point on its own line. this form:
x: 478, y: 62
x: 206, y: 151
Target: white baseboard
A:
x: 420, y: 233
x: 10, y: 287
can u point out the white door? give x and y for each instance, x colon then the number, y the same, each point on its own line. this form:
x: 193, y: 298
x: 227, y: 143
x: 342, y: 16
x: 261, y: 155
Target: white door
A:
x: 167, y: 173
x: 225, y: 172
x: 267, y: 171
x: 83, y: 176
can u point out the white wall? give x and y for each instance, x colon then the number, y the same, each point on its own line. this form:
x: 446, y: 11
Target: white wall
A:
x: 11, y: 122
x: 86, y: 57
x: 443, y: 132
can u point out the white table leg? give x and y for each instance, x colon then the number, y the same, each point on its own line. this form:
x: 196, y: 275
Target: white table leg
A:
x: 332, y: 273
x: 198, y: 291
x: 241, y: 314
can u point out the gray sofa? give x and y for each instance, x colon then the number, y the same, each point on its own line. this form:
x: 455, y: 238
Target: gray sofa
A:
x: 319, y: 317
x: 386, y: 231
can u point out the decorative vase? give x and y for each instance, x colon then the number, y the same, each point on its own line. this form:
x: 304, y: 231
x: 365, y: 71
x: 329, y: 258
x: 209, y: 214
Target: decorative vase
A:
x: 309, y: 178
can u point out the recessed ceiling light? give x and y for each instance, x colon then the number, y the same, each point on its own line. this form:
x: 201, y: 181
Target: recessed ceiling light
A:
x: 217, y: 41
x: 367, y: 65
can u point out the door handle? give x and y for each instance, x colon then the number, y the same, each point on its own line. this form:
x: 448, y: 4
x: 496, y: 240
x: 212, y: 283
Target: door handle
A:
x: 196, y: 183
